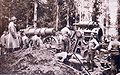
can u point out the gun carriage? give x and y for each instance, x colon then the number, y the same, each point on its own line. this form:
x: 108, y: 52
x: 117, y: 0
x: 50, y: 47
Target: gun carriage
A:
x: 47, y: 34
x: 83, y: 31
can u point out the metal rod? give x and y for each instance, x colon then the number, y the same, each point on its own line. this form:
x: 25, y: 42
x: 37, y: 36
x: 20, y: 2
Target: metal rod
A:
x: 78, y: 58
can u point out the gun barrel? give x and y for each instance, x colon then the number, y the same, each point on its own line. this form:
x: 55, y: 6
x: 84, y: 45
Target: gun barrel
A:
x: 40, y: 31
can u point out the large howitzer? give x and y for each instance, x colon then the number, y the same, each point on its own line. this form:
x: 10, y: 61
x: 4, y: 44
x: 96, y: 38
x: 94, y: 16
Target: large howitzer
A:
x: 47, y: 34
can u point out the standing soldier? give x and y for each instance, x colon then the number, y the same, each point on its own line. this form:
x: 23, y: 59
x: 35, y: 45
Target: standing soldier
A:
x: 66, y: 38
x: 61, y: 44
x: 114, y: 53
x: 71, y: 20
x: 92, y: 46
x: 19, y: 39
x: 77, y: 18
x: 12, y: 40
x: 66, y: 42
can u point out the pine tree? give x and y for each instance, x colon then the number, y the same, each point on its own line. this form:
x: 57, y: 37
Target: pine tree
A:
x: 96, y: 12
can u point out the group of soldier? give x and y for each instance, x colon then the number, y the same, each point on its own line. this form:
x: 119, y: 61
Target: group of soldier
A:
x: 95, y: 47
x: 12, y: 40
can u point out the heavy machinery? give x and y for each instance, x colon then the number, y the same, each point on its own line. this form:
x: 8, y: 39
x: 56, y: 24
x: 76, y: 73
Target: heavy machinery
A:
x: 47, y: 34
x: 83, y: 31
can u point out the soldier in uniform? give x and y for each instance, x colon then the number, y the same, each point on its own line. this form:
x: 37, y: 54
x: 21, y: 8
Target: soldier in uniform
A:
x: 66, y: 30
x: 3, y: 40
x: 12, y: 40
x: 66, y: 38
x: 92, y: 46
x: 114, y: 53
x: 61, y: 44
x: 19, y: 39
x: 36, y: 41
x: 25, y: 41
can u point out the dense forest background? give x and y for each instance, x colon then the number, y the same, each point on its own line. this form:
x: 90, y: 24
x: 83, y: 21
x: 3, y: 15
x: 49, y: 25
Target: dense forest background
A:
x: 24, y: 12
x: 46, y: 13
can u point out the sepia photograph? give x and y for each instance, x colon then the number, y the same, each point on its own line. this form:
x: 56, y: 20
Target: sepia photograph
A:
x: 59, y: 37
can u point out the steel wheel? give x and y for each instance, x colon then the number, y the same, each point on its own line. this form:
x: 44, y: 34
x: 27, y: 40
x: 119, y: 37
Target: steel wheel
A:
x: 50, y: 40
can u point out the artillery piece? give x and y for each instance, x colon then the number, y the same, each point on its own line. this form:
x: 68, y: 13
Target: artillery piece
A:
x: 82, y: 34
x: 47, y: 34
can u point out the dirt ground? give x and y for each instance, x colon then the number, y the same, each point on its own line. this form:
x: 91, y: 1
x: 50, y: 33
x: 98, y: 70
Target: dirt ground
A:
x: 38, y: 61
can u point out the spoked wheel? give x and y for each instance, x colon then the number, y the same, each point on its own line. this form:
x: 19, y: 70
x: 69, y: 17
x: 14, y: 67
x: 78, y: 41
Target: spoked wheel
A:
x: 50, y: 40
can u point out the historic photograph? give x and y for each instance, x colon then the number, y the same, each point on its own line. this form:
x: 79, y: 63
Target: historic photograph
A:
x: 60, y: 37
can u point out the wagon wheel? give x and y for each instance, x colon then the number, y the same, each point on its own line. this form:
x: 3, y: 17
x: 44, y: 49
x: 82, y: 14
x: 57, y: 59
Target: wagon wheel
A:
x: 50, y: 40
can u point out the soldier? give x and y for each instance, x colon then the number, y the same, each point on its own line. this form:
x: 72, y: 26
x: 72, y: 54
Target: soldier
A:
x: 25, y: 41
x: 66, y: 38
x: 12, y: 40
x: 3, y: 41
x: 61, y: 44
x: 66, y: 42
x: 66, y: 30
x: 61, y: 56
x: 19, y: 39
x: 36, y: 41
x: 70, y: 59
x: 92, y: 46
x: 77, y: 17
x: 114, y: 53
